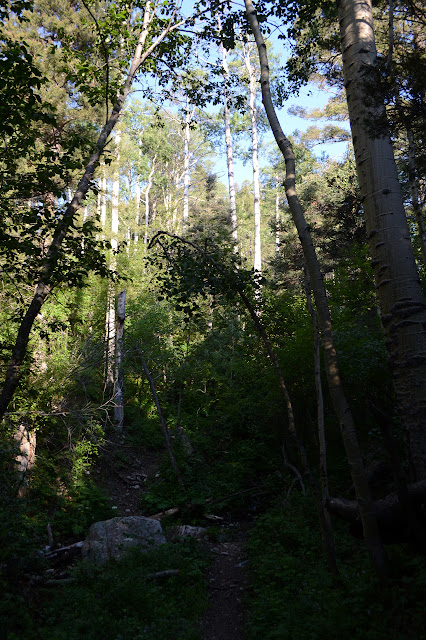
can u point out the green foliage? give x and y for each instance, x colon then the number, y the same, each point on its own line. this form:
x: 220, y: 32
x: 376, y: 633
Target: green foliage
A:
x: 121, y: 599
x: 212, y: 377
x: 294, y: 597
x: 80, y: 507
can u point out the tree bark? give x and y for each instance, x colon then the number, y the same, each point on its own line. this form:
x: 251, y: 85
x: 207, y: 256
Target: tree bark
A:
x: 277, y: 217
x: 229, y: 154
x: 115, y: 190
x: 341, y: 407
x: 401, y: 300
x: 255, y: 160
x: 147, y: 190
x: 26, y: 440
x: 119, y: 359
x: 110, y: 321
x: 137, y: 200
x: 103, y: 193
x: 186, y: 176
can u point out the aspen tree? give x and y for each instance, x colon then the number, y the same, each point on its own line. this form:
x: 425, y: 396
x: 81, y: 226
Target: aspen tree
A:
x: 229, y: 154
x: 402, y: 305
x: 252, y: 74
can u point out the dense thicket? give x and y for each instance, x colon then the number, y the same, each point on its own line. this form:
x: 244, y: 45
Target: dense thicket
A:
x: 218, y: 373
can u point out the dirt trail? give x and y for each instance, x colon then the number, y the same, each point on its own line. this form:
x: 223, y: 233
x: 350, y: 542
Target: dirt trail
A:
x: 228, y: 575
x: 123, y: 478
x: 227, y: 584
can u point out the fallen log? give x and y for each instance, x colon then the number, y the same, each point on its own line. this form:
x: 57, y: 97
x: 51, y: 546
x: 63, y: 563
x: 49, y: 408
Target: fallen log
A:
x: 71, y: 549
x: 167, y: 573
x: 390, y: 516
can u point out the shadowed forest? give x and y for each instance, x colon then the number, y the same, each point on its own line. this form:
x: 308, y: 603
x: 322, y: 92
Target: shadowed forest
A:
x: 213, y: 388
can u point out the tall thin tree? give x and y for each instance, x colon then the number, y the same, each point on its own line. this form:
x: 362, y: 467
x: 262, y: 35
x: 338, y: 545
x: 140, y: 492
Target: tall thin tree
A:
x: 350, y: 440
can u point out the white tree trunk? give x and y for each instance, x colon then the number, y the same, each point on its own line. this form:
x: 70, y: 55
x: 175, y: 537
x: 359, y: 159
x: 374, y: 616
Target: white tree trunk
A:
x: 255, y: 159
x: 277, y: 217
x: 229, y: 155
x: 110, y: 328
x: 147, y: 190
x: 398, y: 287
x: 116, y: 185
x: 138, y: 206
x: 98, y: 205
x: 186, y: 176
x: 103, y: 195
x: 119, y: 359
x: 110, y: 338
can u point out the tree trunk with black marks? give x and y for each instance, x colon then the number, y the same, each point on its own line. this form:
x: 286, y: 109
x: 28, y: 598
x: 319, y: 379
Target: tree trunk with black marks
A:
x: 257, y: 265
x: 119, y: 359
x: 401, y: 300
x: 229, y: 154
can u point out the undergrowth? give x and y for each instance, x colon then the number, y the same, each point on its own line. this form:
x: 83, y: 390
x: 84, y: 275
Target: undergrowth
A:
x: 294, y: 597
x: 122, y: 600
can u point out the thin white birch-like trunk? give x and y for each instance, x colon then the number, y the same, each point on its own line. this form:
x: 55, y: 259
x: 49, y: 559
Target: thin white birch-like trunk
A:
x: 186, y: 176
x: 277, y: 217
x: 138, y: 192
x: 116, y: 186
x: 175, y: 211
x: 402, y: 305
x: 103, y: 195
x: 138, y: 206
x: 119, y: 359
x: 85, y: 216
x: 341, y: 407
x: 110, y: 317
x: 110, y: 338
x: 98, y: 206
x: 146, y: 194
x: 229, y: 154
x: 257, y: 264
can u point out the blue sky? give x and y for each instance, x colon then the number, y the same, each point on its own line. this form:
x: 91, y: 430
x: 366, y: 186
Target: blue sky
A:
x: 310, y: 97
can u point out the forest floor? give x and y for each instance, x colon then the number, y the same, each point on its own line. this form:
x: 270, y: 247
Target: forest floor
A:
x: 228, y: 575
x: 228, y: 581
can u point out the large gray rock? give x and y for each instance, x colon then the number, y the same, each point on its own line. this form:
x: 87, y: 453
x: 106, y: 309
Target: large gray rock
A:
x: 112, y: 538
